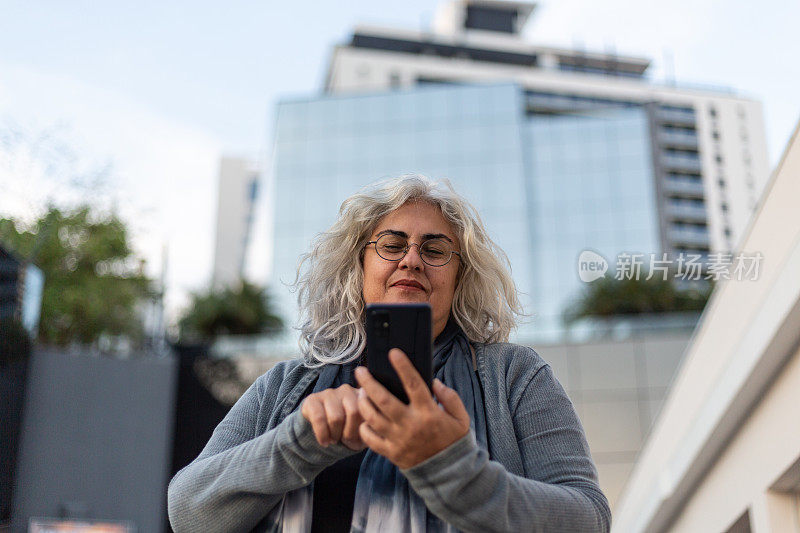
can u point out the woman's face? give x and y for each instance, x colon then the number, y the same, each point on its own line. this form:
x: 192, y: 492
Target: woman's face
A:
x: 392, y: 281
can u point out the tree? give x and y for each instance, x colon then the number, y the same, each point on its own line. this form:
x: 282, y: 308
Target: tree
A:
x: 241, y: 310
x: 93, y: 279
x: 608, y: 297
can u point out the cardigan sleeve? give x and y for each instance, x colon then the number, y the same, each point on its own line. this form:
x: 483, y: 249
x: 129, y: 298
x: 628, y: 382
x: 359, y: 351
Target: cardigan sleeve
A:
x: 559, y: 491
x: 239, y: 477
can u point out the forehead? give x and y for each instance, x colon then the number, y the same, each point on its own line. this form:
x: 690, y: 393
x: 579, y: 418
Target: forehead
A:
x: 416, y: 218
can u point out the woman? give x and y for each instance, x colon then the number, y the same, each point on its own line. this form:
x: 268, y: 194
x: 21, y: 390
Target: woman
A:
x: 320, y: 445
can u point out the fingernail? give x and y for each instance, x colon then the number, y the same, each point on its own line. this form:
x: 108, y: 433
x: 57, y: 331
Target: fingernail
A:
x: 361, y: 393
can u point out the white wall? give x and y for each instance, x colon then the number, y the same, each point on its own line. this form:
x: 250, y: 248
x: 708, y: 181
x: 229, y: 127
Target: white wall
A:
x: 734, y: 405
x: 234, y: 211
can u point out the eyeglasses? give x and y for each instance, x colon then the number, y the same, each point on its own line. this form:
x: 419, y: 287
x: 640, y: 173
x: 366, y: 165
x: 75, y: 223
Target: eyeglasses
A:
x: 434, y: 252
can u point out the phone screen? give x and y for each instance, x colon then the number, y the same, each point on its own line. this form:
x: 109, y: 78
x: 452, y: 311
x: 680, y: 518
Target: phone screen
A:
x: 403, y: 326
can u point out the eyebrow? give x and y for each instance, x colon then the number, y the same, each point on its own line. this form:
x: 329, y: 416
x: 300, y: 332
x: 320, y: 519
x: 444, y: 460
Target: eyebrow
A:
x: 425, y: 237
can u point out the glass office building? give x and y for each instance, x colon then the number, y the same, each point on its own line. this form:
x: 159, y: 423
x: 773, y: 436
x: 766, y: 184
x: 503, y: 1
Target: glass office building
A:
x: 547, y: 187
x: 590, y: 182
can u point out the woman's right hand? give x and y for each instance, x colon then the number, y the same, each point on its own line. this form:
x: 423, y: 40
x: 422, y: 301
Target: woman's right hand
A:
x: 334, y: 416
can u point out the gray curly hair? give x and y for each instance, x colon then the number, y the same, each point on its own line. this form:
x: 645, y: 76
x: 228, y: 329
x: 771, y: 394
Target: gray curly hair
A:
x: 330, y: 277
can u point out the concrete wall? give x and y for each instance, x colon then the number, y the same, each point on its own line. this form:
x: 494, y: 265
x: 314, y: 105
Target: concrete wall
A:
x: 750, y: 470
x: 617, y: 388
x: 96, y: 440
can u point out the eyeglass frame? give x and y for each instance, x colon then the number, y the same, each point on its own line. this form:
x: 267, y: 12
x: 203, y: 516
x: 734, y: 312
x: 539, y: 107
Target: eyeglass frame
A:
x: 408, y: 247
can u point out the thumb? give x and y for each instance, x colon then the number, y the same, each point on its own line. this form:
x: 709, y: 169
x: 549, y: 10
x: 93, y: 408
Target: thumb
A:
x: 451, y: 401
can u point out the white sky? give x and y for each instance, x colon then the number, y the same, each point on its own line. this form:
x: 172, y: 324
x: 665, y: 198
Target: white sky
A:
x: 161, y: 89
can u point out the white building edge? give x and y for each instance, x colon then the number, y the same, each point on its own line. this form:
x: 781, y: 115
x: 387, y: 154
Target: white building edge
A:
x: 237, y: 192
x: 724, y: 454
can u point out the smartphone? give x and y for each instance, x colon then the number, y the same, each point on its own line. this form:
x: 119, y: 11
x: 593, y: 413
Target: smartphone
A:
x: 403, y: 326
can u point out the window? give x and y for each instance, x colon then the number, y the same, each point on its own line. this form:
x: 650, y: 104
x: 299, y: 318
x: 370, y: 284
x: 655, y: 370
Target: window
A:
x: 678, y: 152
x: 252, y: 193
x: 492, y: 19
x: 712, y: 111
x: 418, y: 47
x: 679, y: 109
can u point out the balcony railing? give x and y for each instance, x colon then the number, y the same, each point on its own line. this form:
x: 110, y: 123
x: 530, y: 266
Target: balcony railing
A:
x: 556, y: 102
x: 681, y: 162
x: 689, y: 188
x: 677, y: 139
x: 674, y: 116
x: 688, y: 212
x: 690, y: 236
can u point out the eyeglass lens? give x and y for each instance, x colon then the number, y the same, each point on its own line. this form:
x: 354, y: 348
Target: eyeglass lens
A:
x: 435, y: 252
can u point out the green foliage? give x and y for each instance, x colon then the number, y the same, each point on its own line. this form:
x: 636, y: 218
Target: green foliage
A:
x: 244, y: 310
x: 608, y: 297
x: 93, y: 281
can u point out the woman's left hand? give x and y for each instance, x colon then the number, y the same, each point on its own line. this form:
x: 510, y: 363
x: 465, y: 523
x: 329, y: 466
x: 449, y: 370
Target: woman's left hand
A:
x: 409, y: 434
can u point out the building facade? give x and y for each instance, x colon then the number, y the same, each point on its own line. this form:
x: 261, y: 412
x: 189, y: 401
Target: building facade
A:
x: 709, y: 151
x: 724, y: 454
x: 618, y: 386
x: 546, y: 187
x: 561, y: 151
x: 21, y: 286
x: 238, y: 189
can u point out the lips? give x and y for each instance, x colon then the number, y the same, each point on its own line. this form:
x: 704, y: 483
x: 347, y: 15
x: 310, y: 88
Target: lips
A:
x: 408, y: 283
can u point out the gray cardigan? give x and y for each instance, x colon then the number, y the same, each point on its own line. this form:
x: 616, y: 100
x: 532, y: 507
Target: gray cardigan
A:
x: 537, y: 476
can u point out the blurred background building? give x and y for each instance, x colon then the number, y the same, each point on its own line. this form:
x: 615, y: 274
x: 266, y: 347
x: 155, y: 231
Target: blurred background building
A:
x: 96, y: 440
x: 237, y: 193
x: 560, y: 151
x: 725, y: 453
x: 21, y: 285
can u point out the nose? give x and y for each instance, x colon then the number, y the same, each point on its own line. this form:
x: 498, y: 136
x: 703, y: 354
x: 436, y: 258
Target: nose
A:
x: 412, y: 260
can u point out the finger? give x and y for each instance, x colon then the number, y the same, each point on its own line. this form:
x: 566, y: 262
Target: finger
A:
x: 334, y: 413
x: 314, y: 412
x: 414, y: 385
x: 451, y: 401
x: 383, y: 400
x: 352, y: 420
x: 375, y: 442
x: 379, y: 423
